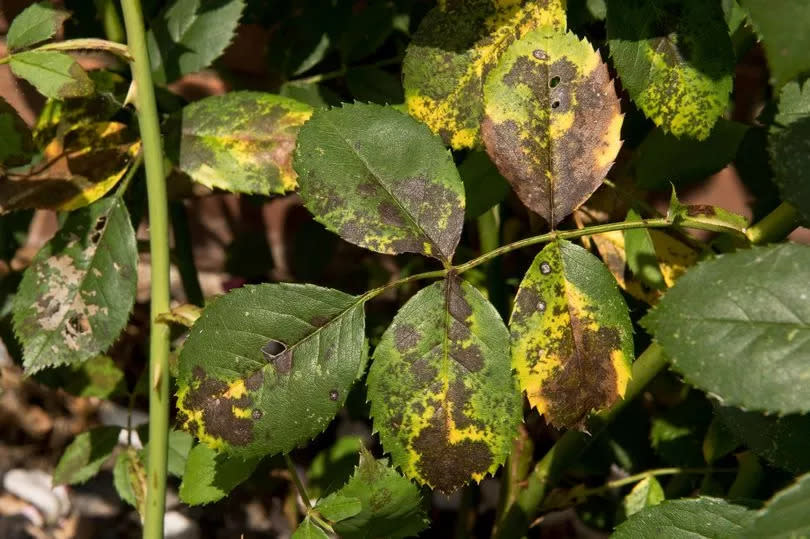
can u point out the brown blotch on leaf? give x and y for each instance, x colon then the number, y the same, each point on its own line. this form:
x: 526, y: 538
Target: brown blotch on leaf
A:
x: 390, y: 214
x: 697, y: 210
x: 217, y: 410
x: 447, y: 466
x: 406, y: 337
x: 254, y: 381
x: 459, y: 395
x: 319, y: 321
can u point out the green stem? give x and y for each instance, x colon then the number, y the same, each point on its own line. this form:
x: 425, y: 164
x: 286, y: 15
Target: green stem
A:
x: 338, y: 73
x: 297, y: 480
x: 184, y: 254
x: 774, y: 226
x: 159, y: 250
x: 110, y: 20
x: 570, y: 447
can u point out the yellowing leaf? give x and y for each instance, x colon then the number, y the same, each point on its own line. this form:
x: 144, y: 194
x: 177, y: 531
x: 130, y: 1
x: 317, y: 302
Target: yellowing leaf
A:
x: 572, y: 342
x: 455, y: 47
x: 442, y: 393
x: 74, y: 172
x: 552, y: 121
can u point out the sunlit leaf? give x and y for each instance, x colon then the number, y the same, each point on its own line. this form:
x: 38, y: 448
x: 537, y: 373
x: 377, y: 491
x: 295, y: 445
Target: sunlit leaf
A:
x: 442, y: 393
x: 209, y: 476
x: 453, y: 51
x: 789, y: 146
x: 267, y: 367
x: 240, y: 141
x: 645, y: 493
x: 54, y: 74
x: 675, y: 59
x: 381, y: 180
x: 76, y: 296
x: 190, y: 34
x: 552, y: 121
x: 84, y: 456
x: 782, y: 26
x: 75, y: 170
x: 738, y: 327
x: 572, y: 342
x: 97, y: 377
x: 698, y: 518
x: 378, y: 501
x: 309, y: 530
x: 183, y: 315
x: 129, y: 479
x: 34, y: 24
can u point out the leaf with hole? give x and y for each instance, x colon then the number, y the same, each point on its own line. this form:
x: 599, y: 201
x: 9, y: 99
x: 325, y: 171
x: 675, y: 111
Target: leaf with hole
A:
x: 35, y: 24
x: 789, y: 146
x: 552, y: 121
x: 267, y: 367
x: 451, y: 53
x: 381, y: 180
x: 241, y: 141
x: 190, y: 34
x: 76, y: 169
x: 54, y: 74
x: 674, y: 57
x: 738, y: 327
x: 209, y: 476
x: 709, y: 518
x: 572, y: 341
x: 378, y: 501
x: 442, y: 393
x: 84, y: 456
x: 76, y: 296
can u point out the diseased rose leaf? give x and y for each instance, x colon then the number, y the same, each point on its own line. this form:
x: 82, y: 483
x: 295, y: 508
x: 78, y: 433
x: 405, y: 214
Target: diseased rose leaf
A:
x: 738, y: 327
x: 442, y: 393
x: 54, y: 74
x: 379, y: 502
x: 572, y: 340
x: 129, y: 479
x: 190, y: 34
x: 76, y: 296
x: 34, y: 24
x: 789, y: 146
x: 267, y: 367
x: 241, y: 141
x: 552, y: 121
x: 381, y: 180
x: 76, y: 169
x: 84, y: 456
x: 451, y: 53
x: 675, y: 59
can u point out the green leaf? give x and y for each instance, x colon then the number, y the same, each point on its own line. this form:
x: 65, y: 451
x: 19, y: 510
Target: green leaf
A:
x: 267, y: 367
x: 54, y: 74
x: 129, y: 479
x: 782, y: 441
x: 708, y: 518
x: 646, y: 493
x: 337, y: 507
x: 663, y: 159
x: 641, y: 257
x: 390, y: 505
x: 484, y: 187
x: 36, y: 23
x: 786, y: 515
x: 572, y: 341
x: 209, y: 476
x: 84, y: 456
x: 675, y: 59
x: 77, y: 168
x: 552, y: 121
x: 97, y: 377
x: 190, y: 34
x: 442, y: 393
x: 240, y: 141
x: 309, y: 530
x: 333, y: 466
x: 76, y: 296
x: 180, y: 443
x: 782, y: 27
x: 18, y: 145
x: 738, y: 327
x: 452, y: 52
x: 183, y: 315
x: 789, y: 146
x: 380, y: 180
x: 719, y: 441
